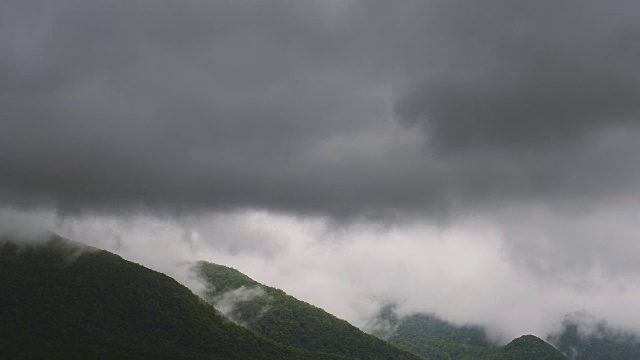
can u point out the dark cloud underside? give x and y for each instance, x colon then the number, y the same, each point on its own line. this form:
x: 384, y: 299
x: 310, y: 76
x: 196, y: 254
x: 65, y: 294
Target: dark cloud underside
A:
x: 331, y: 107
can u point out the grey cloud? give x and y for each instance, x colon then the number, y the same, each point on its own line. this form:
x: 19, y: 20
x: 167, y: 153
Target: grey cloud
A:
x: 549, y: 106
x: 527, y: 74
x: 127, y: 105
x: 291, y: 106
x: 468, y: 272
x: 587, y: 247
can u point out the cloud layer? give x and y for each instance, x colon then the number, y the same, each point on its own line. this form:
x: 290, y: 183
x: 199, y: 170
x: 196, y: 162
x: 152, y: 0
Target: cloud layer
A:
x: 468, y: 274
x: 338, y: 137
x: 333, y: 108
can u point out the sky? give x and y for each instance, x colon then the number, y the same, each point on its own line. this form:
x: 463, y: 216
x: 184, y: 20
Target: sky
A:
x: 477, y: 160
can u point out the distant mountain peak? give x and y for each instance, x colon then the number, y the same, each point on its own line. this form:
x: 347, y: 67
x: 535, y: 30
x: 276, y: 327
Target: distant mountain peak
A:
x: 584, y: 337
x: 529, y: 347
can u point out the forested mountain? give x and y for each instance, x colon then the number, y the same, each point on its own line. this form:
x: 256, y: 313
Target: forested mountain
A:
x: 436, y: 339
x: 60, y: 300
x: 272, y: 313
x: 63, y: 300
x: 431, y: 337
x: 527, y: 347
x: 600, y: 342
x: 280, y: 317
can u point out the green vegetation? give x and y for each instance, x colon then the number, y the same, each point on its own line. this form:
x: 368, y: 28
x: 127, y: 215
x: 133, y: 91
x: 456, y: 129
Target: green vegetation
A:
x: 282, y: 318
x: 527, y: 347
x: 432, y: 338
x: 601, y: 343
x: 60, y: 300
x: 435, y: 339
x: 272, y: 313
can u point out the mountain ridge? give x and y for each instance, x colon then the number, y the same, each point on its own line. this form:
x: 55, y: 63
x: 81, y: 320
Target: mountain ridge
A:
x: 95, y: 304
x: 585, y: 338
x: 430, y: 337
x: 287, y: 320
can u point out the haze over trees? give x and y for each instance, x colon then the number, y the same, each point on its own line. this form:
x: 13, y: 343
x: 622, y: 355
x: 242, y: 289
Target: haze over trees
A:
x: 278, y: 316
x: 60, y: 300
x: 64, y: 300
x: 271, y: 313
x: 582, y: 338
x: 430, y: 337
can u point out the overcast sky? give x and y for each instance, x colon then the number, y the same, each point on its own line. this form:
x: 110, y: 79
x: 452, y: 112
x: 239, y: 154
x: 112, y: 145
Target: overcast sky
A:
x: 476, y: 159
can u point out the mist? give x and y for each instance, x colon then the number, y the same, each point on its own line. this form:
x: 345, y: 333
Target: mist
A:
x: 466, y: 273
x: 227, y: 303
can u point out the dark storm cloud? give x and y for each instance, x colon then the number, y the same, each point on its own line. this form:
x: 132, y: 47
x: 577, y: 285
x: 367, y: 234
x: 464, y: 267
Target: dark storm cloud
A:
x: 157, y: 103
x: 290, y: 105
x: 528, y: 73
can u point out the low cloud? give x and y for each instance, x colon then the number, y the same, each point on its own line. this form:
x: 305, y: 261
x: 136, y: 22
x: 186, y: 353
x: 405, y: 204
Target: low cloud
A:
x: 583, y: 333
x: 468, y: 272
x: 230, y: 303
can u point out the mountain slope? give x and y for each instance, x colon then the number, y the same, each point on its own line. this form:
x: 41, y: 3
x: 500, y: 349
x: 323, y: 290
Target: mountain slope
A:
x: 60, y: 300
x: 430, y: 337
x: 600, y: 343
x: 436, y: 339
x: 274, y: 314
x: 527, y: 347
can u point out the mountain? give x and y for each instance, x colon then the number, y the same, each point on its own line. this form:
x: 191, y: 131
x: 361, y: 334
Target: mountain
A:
x: 272, y: 313
x: 527, y: 347
x: 62, y: 300
x: 597, y: 342
x: 435, y: 339
x: 431, y: 337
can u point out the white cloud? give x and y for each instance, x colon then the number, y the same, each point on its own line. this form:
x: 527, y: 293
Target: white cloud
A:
x: 466, y: 272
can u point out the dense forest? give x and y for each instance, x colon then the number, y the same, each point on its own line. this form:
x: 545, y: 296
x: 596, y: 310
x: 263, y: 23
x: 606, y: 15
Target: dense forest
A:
x: 527, y: 347
x: 61, y: 300
x: 599, y: 343
x: 431, y: 337
x: 282, y: 318
x: 274, y: 314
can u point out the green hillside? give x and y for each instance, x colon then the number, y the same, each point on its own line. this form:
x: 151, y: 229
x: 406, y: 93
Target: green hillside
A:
x: 433, y: 338
x: 62, y: 300
x: 601, y: 343
x: 59, y: 300
x: 272, y: 313
x: 527, y: 347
